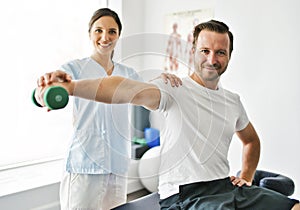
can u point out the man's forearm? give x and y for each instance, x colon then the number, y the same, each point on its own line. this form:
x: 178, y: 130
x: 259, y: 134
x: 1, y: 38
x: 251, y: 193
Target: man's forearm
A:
x: 115, y: 90
x: 251, y: 154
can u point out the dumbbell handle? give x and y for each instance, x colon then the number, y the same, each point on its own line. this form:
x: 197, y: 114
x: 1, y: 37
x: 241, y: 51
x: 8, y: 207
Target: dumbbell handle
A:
x: 55, y: 97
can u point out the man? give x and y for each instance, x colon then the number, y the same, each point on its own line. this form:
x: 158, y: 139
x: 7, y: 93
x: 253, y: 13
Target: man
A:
x: 201, y: 118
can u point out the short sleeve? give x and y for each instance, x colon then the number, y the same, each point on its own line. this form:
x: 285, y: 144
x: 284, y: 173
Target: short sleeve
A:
x: 165, y: 101
x: 243, y: 120
x: 70, y: 68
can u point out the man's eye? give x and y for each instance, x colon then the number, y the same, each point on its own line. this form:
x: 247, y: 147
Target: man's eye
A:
x: 221, y: 53
x: 204, y: 51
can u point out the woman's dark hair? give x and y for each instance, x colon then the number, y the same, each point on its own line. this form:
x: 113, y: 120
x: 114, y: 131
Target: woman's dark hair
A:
x: 105, y: 12
x: 216, y: 26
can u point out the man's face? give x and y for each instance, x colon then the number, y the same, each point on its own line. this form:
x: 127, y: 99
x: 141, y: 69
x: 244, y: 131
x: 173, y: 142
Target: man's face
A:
x: 211, y: 55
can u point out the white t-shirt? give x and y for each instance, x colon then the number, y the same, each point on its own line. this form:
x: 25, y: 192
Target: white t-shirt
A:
x: 199, y: 125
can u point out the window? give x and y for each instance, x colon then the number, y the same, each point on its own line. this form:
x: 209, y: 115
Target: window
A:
x: 37, y: 37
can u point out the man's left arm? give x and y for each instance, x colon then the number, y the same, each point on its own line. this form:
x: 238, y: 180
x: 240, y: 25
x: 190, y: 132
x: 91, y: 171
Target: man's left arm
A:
x: 250, y: 155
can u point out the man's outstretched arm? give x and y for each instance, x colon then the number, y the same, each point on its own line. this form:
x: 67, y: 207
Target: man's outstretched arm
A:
x: 115, y: 90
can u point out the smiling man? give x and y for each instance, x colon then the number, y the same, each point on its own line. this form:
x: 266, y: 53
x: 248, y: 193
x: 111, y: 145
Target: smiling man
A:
x: 201, y: 119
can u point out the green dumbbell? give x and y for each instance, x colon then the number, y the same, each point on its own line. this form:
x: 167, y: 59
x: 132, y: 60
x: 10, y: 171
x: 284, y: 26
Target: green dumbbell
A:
x: 55, y: 97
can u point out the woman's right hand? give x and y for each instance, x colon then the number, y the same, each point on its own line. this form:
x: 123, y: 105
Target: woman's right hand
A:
x: 47, y: 80
x: 52, y: 77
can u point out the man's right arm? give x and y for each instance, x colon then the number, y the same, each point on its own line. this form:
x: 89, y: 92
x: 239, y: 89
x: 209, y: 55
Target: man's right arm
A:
x: 115, y: 90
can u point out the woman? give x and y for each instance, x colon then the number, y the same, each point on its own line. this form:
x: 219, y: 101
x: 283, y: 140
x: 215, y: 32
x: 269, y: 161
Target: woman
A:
x: 98, y: 156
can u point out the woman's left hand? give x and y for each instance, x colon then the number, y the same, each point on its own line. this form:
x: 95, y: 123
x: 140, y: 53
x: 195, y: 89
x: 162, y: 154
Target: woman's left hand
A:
x: 174, y: 80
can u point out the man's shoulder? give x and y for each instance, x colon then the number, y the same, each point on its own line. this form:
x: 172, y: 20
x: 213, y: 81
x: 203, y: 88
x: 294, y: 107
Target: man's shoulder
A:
x: 230, y: 95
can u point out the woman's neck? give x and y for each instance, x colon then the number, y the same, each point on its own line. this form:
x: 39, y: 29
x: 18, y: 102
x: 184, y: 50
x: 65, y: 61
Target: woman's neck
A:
x: 105, y: 62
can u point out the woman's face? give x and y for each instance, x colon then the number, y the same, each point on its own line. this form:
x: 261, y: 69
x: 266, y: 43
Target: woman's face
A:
x: 104, y: 35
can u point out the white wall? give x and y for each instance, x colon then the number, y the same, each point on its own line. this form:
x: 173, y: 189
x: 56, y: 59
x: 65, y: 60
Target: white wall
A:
x: 264, y: 71
x: 263, y: 68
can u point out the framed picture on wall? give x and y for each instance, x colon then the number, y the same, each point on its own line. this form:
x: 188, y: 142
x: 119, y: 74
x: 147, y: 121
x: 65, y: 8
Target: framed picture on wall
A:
x: 179, y: 27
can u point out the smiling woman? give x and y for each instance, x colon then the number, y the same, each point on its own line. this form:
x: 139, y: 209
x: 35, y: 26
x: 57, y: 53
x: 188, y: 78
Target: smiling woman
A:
x: 37, y: 36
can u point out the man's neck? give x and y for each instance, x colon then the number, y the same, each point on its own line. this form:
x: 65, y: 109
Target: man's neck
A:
x: 213, y: 85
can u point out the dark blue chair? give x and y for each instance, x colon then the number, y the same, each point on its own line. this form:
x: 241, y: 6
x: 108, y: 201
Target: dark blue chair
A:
x: 273, y: 181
